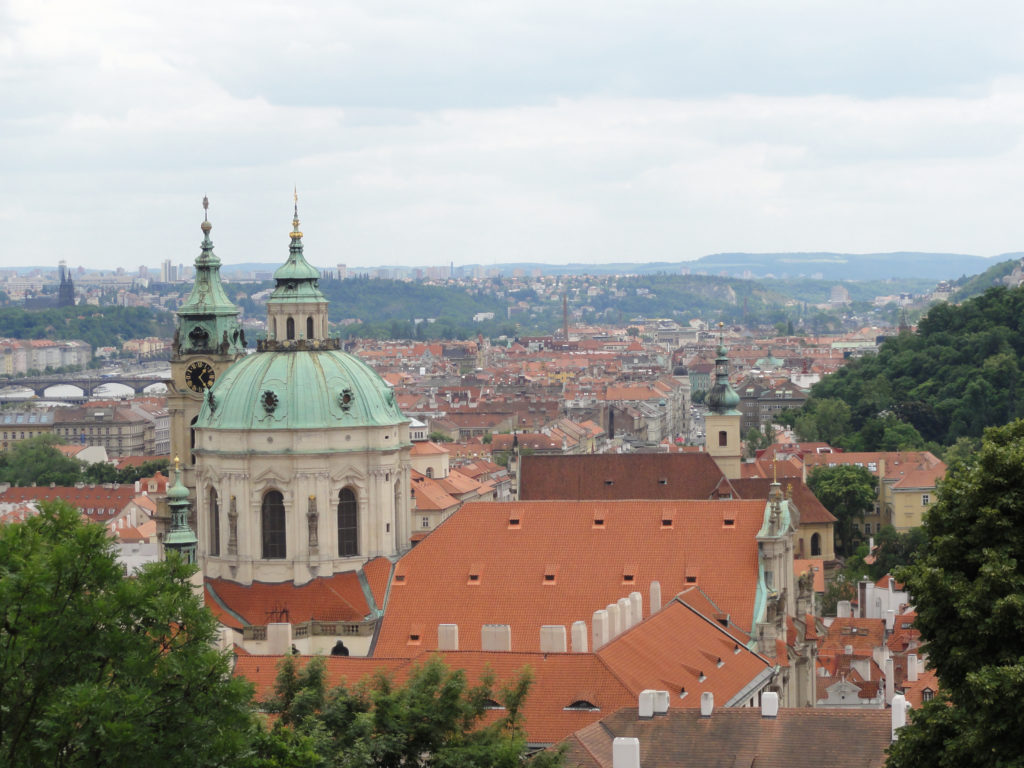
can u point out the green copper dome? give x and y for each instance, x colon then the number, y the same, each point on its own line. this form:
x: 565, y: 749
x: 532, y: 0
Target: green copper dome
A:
x: 299, y: 388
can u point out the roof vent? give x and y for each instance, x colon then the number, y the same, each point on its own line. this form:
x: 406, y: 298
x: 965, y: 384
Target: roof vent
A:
x: 513, y: 522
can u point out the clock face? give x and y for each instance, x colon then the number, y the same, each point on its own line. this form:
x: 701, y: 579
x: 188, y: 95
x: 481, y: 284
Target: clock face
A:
x: 199, y: 376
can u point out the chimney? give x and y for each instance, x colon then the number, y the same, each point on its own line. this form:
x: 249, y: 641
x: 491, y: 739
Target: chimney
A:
x: 890, y: 682
x: 614, y: 620
x: 496, y: 637
x: 579, y: 637
x: 625, y: 614
x: 447, y: 637
x: 279, y: 639
x: 655, y: 597
x: 912, y: 667
x: 636, y: 605
x: 890, y: 620
x: 599, y: 631
x: 660, y: 703
x: 552, y: 638
x: 843, y: 609
x: 707, y: 704
x: 899, y: 713
x: 625, y: 752
x: 138, y: 487
x: 645, y: 708
x: 769, y: 704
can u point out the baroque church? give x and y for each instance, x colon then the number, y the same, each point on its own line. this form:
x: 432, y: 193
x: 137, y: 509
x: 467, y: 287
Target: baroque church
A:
x: 296, y: 455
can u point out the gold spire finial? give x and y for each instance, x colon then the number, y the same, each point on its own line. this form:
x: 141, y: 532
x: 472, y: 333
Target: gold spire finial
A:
x: 296, y: 234
x: 177, y: 464
x: 775, y: 471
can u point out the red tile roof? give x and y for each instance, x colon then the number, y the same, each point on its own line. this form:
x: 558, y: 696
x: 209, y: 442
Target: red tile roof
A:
x: 378, y: 576
x: 597, y: 564
x: 331, y: 598
x: 98, y: 502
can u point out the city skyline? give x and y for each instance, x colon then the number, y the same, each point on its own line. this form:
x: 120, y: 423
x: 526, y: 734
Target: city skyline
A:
x: 524, y: 132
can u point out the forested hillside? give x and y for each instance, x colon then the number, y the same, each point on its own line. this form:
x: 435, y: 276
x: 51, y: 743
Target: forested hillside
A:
x: 959, y: 374
x: 99, y: 326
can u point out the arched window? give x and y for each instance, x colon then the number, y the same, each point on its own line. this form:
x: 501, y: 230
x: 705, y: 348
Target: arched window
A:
x: 290, y: 328
x: 274, y: 539
x: 430, y: 471
x: 723, y: 438
x: 348, y: 524
x: 191, y: 440
x: 214, y: 523
x: 309, y: 327
x: 816, y: 545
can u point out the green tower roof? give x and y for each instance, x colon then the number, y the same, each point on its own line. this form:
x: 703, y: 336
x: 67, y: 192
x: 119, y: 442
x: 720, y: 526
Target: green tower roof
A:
x: 207, y: 296
x: 299, y: 388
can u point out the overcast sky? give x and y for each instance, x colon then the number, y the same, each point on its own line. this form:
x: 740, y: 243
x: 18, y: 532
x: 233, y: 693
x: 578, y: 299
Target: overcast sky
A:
x: 471, y: 131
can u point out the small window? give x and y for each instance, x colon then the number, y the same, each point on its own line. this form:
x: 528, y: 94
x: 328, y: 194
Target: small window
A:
x: 513, y: 522
x: 550, y: 574
x: 729, y: 522
x: 426, y: 522
x: 492, y: 704
x: 599, y: 522
x: 925, y: 499
x: 691, y: 579
x: 666, y: 522
x: 609, y: 482
x: 927, y: 694
x: 723, y: 438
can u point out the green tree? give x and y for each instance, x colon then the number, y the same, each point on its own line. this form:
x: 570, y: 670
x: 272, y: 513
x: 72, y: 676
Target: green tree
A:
x: 968, y: 588
x: 37, y: 461
x: 435, y: 719
x: 755, y: 440
x: 827, y: 420
x: 847, y: 491
x: 99, y: 669
x: 895, y: 548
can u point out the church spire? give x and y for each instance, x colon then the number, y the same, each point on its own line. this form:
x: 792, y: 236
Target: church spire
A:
x: 722, y: 398
x: 208, y: 320
x: 180, y: 538
x: 297, y: 309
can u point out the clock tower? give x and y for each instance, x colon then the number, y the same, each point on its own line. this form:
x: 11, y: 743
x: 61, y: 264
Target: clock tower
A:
x: 207, y: 339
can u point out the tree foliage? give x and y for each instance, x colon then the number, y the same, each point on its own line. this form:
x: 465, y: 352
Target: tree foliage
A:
x: 99, y: 669
x: 98, y: 326
x: 968, y: 588
x: 847, y: 491
x: 435, y: 719
x: 959, y: 374
x: 37, y: 461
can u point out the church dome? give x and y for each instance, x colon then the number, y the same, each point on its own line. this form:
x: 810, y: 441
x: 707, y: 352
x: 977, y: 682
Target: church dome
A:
x: 299, y: 388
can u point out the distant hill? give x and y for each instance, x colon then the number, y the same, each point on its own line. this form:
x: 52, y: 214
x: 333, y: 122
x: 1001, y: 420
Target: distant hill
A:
x: 821, y: 266
x: 975, y: 285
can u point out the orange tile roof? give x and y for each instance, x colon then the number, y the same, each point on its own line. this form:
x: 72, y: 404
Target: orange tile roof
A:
x: 596, y: 565
x: 378, y: 576
x: 863, y: 634
x: 98, y: 502
x: 331, y: 598
x: 679, y: 649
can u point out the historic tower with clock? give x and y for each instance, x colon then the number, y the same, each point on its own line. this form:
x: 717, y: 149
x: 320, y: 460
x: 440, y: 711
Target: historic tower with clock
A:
x: 208, y: 338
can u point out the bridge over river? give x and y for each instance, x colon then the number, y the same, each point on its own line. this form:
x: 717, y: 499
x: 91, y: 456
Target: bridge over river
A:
x: 42, y: 386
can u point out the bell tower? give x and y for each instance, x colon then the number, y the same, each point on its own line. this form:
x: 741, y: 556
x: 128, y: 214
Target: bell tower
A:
x: 207, y: 339
x: 722, y: 423
x: 297, y: 310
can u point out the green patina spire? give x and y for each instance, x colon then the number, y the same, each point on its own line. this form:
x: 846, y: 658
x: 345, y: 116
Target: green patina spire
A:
x: 180, y: 538
x: 208, y: 321
x: 722, y: 399
x: 297, y: 268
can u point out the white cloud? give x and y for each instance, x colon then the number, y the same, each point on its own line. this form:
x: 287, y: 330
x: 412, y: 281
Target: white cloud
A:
x: 484, y: 132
